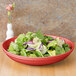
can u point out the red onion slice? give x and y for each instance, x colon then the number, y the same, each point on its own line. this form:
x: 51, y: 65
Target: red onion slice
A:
x: 29, y: 42
x: 32, y: 49
x: 41, y: 46
x: 50, y: 41
x: 25, y: 43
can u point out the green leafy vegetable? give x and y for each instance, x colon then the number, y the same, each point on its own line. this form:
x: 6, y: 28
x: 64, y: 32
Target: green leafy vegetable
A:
x: 21, y: 39
x: 37, y: 45
x: 13, y: 47
x: 32, y: 55
x: 52, y: 52
x: 39, y: 35
x: 67, y: 49
x: 23, y: 52
x: 38, y: 54
x: 46, y: 55
x: 15, y: 52
x: 52, y: 43
x: 59, y: 50
x: 48, y: 38
x: 29, y: 36
x: 65, y: 45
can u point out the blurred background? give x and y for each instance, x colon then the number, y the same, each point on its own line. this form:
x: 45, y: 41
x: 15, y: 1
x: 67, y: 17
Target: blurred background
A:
x: 57, y: 17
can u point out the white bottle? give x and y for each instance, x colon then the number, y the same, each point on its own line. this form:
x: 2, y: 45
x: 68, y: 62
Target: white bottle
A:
x: 9, y: 32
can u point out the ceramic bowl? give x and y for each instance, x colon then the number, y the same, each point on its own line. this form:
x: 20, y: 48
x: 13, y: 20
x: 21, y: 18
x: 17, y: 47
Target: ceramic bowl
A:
x: 37, y: 60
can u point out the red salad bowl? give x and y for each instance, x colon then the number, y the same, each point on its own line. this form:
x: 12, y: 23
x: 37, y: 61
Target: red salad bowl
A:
x: 37, y: 60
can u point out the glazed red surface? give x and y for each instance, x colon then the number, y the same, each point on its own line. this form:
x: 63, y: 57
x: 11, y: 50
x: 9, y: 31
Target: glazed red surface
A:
x: 37, y: 60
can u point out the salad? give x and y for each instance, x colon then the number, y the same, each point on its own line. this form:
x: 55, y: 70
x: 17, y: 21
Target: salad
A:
x: 37, y: 45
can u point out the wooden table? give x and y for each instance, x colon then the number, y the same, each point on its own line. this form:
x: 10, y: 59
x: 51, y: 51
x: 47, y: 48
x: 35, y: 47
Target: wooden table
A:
x: 66, y: 67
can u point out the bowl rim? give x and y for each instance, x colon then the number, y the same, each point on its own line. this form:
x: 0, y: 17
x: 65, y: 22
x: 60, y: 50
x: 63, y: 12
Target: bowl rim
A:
x: 23, y: 57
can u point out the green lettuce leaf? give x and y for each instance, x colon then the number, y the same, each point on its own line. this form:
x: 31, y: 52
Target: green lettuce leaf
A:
x: 52, y: 52
x: 29, y: 35
x: 46, y: 55
x: 52, y: 43
x: 15, y: 52
x: 23, y: 52
x: 38, y: 54
x: 59, y: 50
x: 48, y: 38
x: 21, y: 39
x: 67, y: 49
x: 32, y: 55
x: 65, y: 45
x: 13, y: 47
x: 39, y: 35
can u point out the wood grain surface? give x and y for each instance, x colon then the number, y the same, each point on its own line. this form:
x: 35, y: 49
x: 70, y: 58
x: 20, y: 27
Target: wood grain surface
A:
x: 57, y: 17
x: 66, y: 67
